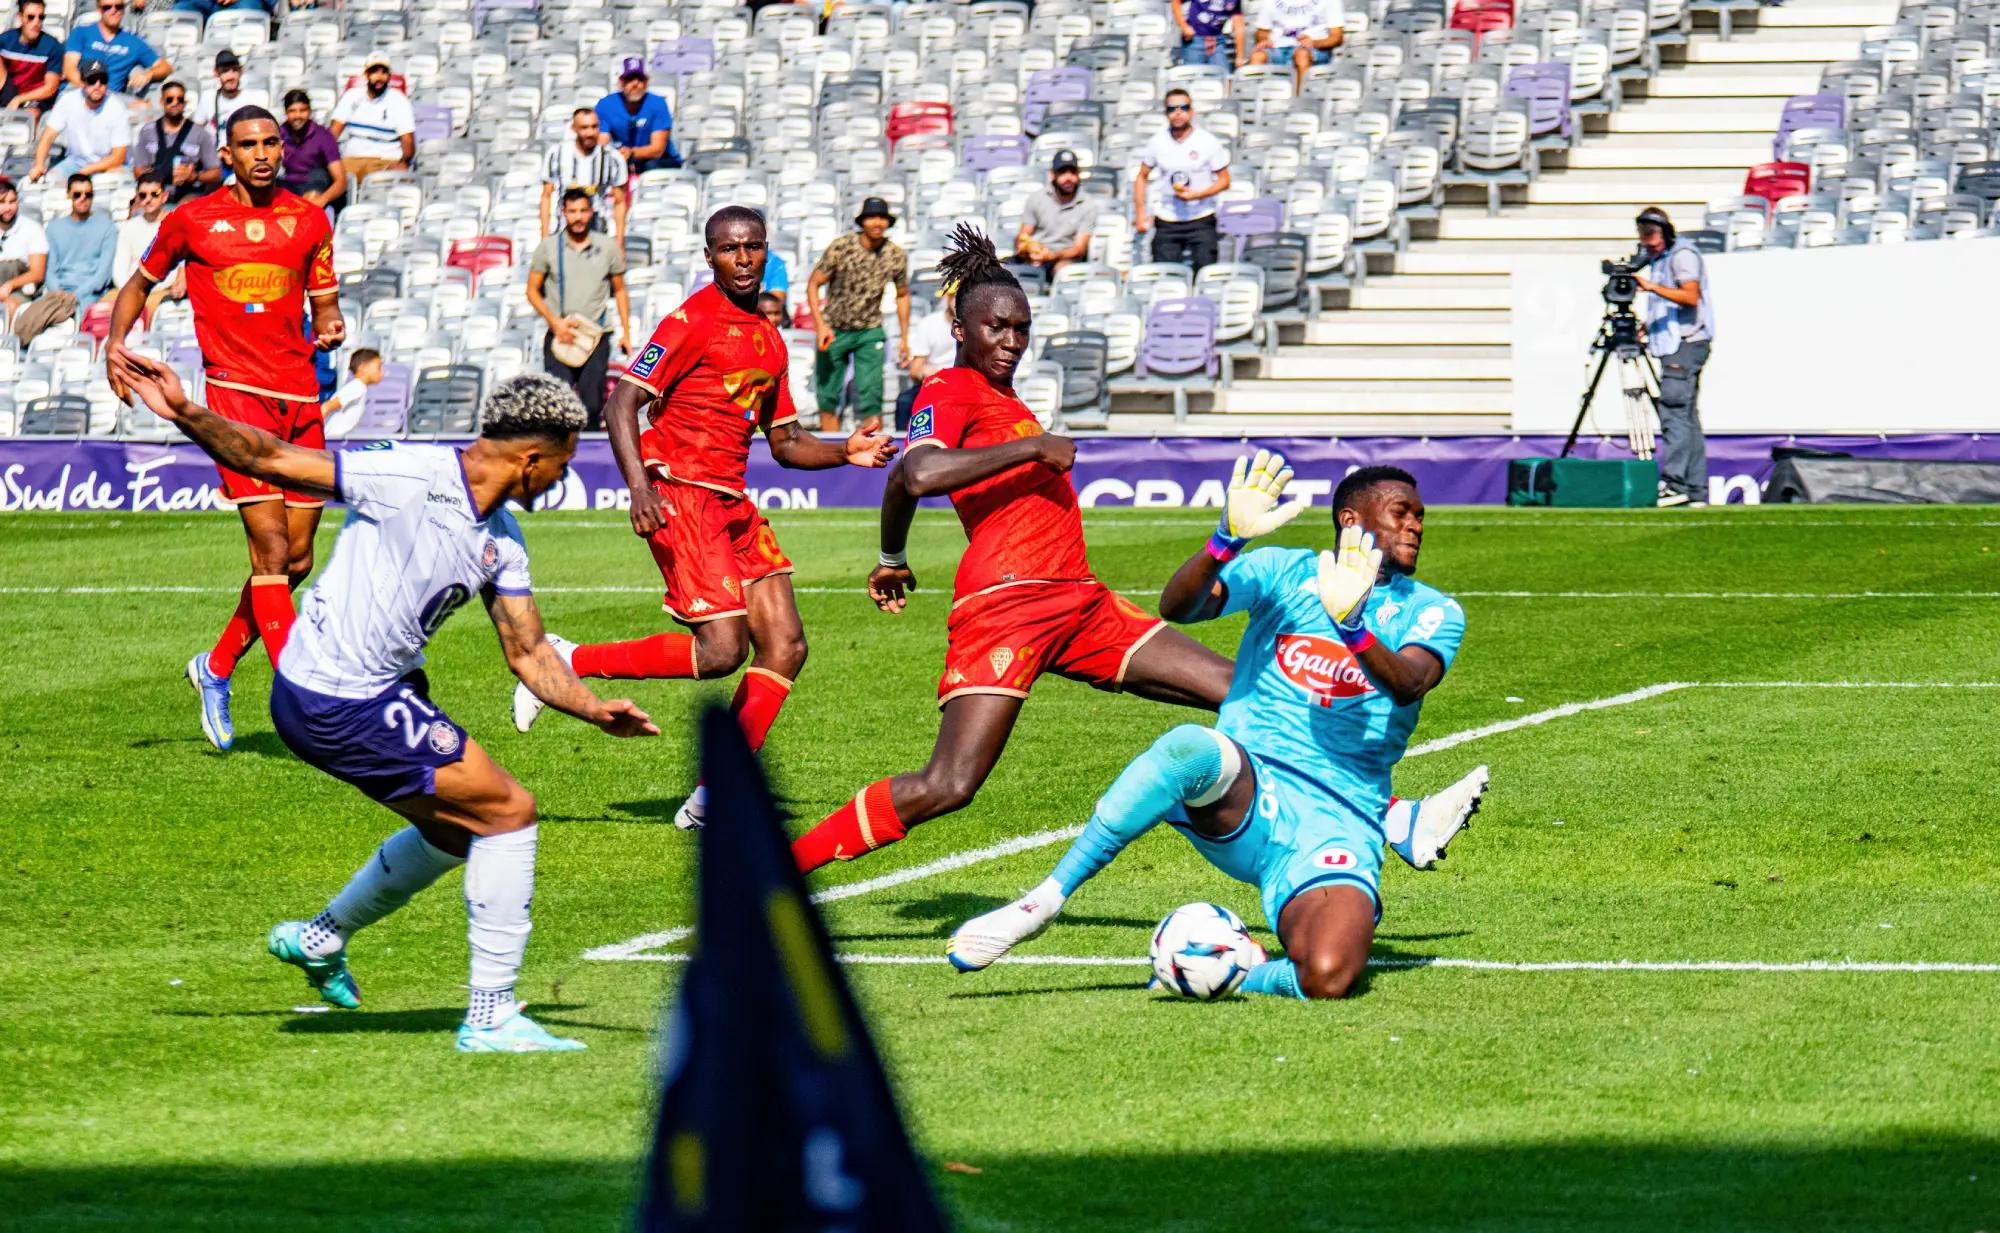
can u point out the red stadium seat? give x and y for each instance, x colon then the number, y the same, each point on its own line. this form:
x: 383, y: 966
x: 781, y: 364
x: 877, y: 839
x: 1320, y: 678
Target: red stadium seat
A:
x: 1774, y: 181
x: 97, y: 321
x: 1482, y: 16
x: 907, y: 119
x: 480, y: 254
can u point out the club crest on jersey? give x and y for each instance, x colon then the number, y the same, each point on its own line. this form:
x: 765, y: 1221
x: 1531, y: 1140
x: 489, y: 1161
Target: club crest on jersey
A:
x: 758, y: 344
x: 732, y: 586
x: 444, y: 738
x: 922, y: 425
x: 1001, y: 660
x: 1335, y: 858
x: 254, y: 231
x: 648, y: 360
x: 489, y: 555
x: 1322, y: 667
x: 288, y: 224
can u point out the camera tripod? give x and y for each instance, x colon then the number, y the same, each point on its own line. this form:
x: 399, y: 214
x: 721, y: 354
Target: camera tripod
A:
x: 1619, y: 335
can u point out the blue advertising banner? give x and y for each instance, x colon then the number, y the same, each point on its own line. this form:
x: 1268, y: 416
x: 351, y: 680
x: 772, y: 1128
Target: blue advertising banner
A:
x: 1111, y: 472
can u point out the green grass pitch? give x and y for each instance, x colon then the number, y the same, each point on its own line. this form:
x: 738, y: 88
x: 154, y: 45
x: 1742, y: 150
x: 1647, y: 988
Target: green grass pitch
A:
x: 157, y: 1076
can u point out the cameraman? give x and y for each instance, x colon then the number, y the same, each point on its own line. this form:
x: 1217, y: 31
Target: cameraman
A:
x: 1680, y: 326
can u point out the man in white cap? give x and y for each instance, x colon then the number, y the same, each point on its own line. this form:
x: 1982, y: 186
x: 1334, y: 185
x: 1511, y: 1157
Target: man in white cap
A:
x: 375, y: 125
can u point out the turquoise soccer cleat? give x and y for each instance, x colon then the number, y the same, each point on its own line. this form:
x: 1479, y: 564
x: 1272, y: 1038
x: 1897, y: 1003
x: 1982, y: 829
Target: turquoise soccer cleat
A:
x: 328, y: 976
x: 515, y: 1034
x: 214, y: 691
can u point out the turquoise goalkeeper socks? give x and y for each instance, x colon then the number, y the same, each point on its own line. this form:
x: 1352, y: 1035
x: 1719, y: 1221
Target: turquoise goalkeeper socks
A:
x: 1276, y: 978
x: 1184, y: 766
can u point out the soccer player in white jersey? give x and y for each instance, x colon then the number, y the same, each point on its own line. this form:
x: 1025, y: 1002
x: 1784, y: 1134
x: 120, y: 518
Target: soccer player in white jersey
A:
x: 426, y: 530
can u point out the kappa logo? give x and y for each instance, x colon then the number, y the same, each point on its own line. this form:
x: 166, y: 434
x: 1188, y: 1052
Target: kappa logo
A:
x: 1001, y: 660
x: 955, y: 677
x: 700, y: 605
x: 733, y: 333
x: 444, y: 738
x: 1335, y: 858
x: 221, y: 227
x: 1322, y: 667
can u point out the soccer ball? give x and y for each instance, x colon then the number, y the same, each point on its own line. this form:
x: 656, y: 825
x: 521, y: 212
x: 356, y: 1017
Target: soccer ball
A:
x: 1202, y: 951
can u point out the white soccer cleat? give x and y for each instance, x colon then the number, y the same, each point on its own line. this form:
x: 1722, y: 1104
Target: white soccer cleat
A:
x: 981, y: 941
x: 694, y: 810
x: 1442, y: 815
x: 526, y: 705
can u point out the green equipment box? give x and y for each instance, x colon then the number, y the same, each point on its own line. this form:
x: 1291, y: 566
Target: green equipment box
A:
x: 1610, y: 483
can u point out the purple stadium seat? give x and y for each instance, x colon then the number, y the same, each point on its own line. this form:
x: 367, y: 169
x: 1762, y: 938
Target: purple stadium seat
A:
x: 1047, y: 86
x: 987, y: 151
x: 433, y: 122
x: 1808, y: 111
x: 1180, y: 339
x: 1545, y: 89
x: 1244, y: 219
x: 676, y: 57
x: 388, y: 404
x: 483, y: 10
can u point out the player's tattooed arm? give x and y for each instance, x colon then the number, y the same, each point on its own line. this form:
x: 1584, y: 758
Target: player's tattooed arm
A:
x: 238, y: 447
x: 525, y: 643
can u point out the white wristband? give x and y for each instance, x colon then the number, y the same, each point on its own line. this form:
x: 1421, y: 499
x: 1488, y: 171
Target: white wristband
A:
x: 893, y: 560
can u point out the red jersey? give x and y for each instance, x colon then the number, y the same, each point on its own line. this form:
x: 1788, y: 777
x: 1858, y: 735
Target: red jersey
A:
x: 717, y: 375
x: 249, y: 271
x: 1023, y: 524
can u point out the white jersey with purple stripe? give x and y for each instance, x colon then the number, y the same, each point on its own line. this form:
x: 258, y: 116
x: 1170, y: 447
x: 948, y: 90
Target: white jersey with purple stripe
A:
x: 413, y: 549
x: 1300, y: 700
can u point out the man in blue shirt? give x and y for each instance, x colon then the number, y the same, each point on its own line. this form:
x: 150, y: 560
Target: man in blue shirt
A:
x: 1290, y: 790
x: 130, y: 60
x: 637, y: 121
x: 777, y: 276
x: 82, y: 246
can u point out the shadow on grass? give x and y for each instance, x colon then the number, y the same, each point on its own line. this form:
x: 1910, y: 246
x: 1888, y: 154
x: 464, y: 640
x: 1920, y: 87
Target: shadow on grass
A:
x: 414, y: 1022
x: 1574, y: 1185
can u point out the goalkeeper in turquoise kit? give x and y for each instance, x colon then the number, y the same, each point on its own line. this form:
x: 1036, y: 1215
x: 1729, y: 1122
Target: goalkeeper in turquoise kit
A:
x: 1289, y: 791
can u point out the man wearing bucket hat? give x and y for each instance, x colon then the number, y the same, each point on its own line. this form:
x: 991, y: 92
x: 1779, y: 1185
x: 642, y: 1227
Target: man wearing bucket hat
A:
x: 845, y: 294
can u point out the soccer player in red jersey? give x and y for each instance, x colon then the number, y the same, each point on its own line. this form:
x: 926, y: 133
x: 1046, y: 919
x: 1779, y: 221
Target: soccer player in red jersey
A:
x: 254, y: 254
x: 713, y: 373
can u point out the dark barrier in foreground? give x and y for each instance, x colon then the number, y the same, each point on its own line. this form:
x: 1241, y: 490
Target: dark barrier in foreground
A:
x: 1111, y: 472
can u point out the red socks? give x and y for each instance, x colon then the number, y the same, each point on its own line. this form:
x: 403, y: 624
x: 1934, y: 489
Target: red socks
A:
x: 271, y: 607
x: 662, y: 655
x: 236, y: 638
x: 862, y: 825
x: 759, y: 695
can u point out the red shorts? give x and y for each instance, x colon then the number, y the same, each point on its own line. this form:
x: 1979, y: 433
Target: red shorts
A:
x: 293, y: 420
x: 714, y: 545
x: 999, y: 641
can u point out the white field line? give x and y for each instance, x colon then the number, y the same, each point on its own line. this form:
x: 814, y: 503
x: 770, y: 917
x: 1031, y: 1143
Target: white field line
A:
x: 1478, y: 965
x: 141, y: 589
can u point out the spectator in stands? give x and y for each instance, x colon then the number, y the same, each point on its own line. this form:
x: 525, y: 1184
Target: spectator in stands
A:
x: 1680, y: 326
x: 312, y: 168
x: 209, y: 8
x: 1055, y: 226
x: 777, y: 275
x: 130, y: 61
x: 382, y: 124
x: 588, y: 268
x: 637, y: 121
x: 771, y: 307
x: 1193, y: 166
x: 588, y: 164
x: 135, y: 234
x: 82, y: 245
x: 93, y: 125
x: 933, y: 348
x: 845, y: 294
x: 343, y: 410
x: 220, y: 100
x: 33, y: 59
x: 182, y: 151
x: 24, y: 250
x: 1211, y: 32
x: 1305, y: 31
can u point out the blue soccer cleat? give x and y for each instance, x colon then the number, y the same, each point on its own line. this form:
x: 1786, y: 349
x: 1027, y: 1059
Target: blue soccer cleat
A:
x: 515, y: 1034
x: 328, y: 976
x: 214, y: 691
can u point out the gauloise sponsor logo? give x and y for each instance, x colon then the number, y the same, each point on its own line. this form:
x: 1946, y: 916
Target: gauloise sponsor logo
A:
x: 1322, y: 667
x: 255, y: 282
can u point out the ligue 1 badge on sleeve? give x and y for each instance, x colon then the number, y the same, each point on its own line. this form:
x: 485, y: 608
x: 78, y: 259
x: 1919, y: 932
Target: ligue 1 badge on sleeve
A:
x: 920, y: 425
x: 648, y: 360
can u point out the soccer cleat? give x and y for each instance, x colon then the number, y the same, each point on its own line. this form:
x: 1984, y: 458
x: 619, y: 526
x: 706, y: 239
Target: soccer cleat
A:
x: 981, y: 941
x: 693, y: 812
x: 214, y: 690
x: 526, y: 705
x: 515, y: 1034
x: 329, y: 975
x: 1441, y: 816
x: 1670, y: 499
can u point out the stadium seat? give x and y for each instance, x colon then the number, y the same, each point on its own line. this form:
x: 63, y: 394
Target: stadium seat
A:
x: 1082, y: 355
x: 1772, y: 181
x: 55, y: 415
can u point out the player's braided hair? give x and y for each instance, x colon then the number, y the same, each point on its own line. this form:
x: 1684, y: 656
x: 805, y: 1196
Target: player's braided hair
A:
x: 970, y: 263
x: 532, y: 405
x: 1361, y: 479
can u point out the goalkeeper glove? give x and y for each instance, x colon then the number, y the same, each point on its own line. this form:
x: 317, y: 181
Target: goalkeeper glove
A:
x: 1252, y: 508
x: 1346, y: 577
